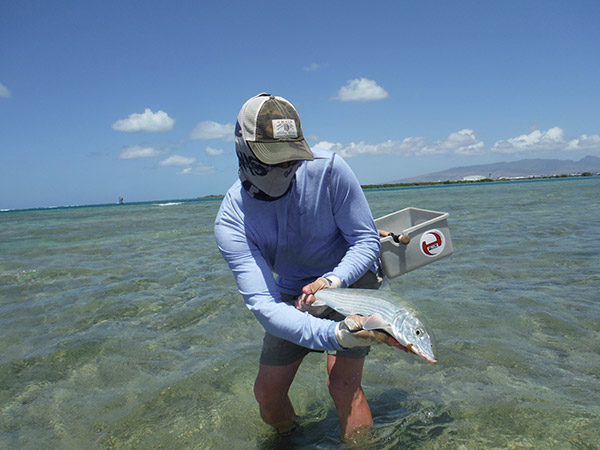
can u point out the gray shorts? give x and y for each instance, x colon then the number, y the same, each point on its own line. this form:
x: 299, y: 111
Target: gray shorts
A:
x: 280, y: 352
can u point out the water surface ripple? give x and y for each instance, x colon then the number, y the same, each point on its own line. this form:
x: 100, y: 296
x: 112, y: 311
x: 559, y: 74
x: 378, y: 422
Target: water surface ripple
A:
x: 122, y: 328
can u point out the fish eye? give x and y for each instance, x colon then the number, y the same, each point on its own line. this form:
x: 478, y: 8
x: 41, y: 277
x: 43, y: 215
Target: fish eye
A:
x: 418, y: 332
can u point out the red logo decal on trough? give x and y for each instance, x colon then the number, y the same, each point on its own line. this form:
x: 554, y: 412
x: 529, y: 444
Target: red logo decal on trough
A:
x: 432, y: 243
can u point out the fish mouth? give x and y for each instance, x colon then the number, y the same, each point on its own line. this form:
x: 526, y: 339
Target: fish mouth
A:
x: 429, y: 358
x: 417, y: 352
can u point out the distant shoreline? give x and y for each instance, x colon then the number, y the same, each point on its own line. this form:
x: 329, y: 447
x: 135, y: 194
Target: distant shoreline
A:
x: 483, y: 180
x: 211, y: 196
x: 365, y: 187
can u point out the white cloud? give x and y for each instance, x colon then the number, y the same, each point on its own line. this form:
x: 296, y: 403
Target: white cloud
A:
x: 327, y: 145
x: 146, y: 121
x: 212, y: 130
x: 214, y: 151
x: 4, y: 92
x: 463, y: 142
x: 139, y: 151
x: 361, y: 90
x: 198, y: 169
x: 466, y: 143
x: 584, y: 142
x: 313, y: 67
x: 550, y: 140
x: 536, y: 140
x: 177, y: 160
x: 189, y: 164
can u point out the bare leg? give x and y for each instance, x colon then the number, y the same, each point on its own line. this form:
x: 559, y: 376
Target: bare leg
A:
x: 345, y: 375
x: 271, y: 391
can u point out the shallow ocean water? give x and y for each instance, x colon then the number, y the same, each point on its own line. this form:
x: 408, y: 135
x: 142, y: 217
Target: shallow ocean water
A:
x: 121, y: 327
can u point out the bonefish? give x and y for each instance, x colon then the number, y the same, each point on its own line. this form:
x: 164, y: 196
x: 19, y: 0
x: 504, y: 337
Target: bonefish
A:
x: 388, y: 312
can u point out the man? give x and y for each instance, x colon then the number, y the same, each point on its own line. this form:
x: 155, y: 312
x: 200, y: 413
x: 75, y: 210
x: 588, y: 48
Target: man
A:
x: 302, y: 215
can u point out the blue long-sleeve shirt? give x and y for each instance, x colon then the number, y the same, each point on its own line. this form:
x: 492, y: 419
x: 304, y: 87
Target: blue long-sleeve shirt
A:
x: 322, y: 227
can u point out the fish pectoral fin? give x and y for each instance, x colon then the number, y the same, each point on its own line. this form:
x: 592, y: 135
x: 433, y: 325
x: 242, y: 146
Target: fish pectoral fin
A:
x: 376, y: 322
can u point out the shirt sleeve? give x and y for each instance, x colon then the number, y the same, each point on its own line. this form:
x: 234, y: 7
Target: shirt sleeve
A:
x: 257, y: 285
x: 355, y: 221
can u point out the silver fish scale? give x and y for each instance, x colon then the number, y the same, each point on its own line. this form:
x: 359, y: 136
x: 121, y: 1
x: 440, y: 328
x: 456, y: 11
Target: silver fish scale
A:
x: 403, y: 321
x: 364, y: 302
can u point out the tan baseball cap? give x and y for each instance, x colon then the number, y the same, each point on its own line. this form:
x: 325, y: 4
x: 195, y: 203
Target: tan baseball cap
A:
x: 271, y: 127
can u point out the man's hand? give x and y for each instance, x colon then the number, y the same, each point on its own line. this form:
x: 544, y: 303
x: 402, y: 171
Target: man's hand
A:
x: 304, y: 302
x: 350, y: 333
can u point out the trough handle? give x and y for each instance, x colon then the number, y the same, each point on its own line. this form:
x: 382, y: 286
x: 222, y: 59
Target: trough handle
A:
x: 403, y: 238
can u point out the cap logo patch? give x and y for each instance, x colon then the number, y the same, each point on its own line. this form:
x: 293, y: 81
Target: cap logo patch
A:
x: 284, y: 128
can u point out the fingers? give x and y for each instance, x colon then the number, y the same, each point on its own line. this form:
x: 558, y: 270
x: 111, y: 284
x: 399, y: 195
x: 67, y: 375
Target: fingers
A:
x: 316, y: 286
x: 356, y: 323
x: 304, y: 301
x: 372, y: 336
x: 307, y: 298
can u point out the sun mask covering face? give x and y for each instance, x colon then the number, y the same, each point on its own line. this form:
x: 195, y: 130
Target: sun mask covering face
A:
x: 262, y: 181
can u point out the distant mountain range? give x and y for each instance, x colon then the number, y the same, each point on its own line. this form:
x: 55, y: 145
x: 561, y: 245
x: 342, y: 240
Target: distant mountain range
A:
x: 514, y: 169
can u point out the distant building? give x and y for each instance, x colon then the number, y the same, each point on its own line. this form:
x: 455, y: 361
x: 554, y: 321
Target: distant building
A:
x: 473, y: 178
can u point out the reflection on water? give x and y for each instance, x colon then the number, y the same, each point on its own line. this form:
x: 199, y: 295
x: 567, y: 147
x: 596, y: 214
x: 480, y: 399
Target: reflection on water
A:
x: 122, y: 328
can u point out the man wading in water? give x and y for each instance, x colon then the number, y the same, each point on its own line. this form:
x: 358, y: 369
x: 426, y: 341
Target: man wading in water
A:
x: 302, y: 215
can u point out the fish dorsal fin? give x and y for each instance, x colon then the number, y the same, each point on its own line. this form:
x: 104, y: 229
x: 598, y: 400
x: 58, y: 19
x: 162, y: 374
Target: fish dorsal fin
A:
x: 376, y: 322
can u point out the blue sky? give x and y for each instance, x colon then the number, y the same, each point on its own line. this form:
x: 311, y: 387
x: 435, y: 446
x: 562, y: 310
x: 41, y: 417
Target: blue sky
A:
x: 102, y: 99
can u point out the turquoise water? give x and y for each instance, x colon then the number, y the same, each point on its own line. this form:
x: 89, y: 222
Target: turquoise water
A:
x: 121, y: 328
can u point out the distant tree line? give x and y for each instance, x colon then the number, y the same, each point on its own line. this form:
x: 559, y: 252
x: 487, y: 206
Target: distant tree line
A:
x: 483, y: 180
